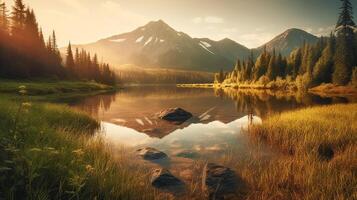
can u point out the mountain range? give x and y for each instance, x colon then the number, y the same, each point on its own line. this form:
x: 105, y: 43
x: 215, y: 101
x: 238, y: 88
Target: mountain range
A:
x: 158, y: 45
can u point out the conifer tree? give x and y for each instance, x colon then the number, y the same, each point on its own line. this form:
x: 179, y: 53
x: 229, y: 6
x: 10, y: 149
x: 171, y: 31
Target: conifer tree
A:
x: 346, y: 15
x: 4, y: 21
x: 18, y: 18
x: 271, y: 72
x: 324, y: 67
x: 69, y: 59
x: 344, y: 59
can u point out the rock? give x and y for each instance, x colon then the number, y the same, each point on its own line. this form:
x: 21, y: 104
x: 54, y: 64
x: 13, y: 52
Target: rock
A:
x: 163, y: 179
x: 218, y: 181
x: 325, y: 152
x: 175, y: 115
x: 149, y: 153
x: 187, y: 154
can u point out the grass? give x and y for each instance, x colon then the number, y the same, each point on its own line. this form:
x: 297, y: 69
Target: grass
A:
x: 300, y: 171
x: 42, y: 87
x: 48, y: 152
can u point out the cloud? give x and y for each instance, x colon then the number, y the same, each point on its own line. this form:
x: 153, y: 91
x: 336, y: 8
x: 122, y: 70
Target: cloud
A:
x: 230, y: 30
x: 208, y: 20
x: 253, y: 40
x: 324, y: 31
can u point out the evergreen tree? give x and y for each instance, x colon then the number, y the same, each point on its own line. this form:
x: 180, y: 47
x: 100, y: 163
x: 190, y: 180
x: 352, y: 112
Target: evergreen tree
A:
x: 344, y: 59
x: 271, y: 72
x: 4, y: 21
x: 324, y: 67
x: 346, y: 15
x: 18, y: 18
x: 31, y: 28
x: 69, y: 59
x: 261, y: 65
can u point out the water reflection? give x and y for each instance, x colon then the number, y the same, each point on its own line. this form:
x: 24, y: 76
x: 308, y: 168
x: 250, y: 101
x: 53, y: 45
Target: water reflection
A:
x: 135, y: 107
x: 196, y: 140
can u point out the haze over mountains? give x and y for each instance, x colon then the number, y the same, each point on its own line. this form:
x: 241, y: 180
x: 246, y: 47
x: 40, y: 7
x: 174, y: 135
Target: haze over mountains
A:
x: 158, y: 45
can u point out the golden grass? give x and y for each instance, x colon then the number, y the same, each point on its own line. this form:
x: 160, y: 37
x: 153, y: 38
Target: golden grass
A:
x: 298, y: 172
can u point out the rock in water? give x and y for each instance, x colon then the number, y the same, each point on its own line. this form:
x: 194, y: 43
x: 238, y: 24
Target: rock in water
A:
x: 218, y: 181
x: 163, y: 179
x: 175, y: 115
x: 149, y: 153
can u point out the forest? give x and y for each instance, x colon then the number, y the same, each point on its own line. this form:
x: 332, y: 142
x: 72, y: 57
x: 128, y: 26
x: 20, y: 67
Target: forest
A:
x: 332, y: 59
x: 24, y: 53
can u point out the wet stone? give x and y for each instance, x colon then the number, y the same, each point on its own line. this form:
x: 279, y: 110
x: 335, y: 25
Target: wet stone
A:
x: 175, y: 115
x: 218, y: 182
x: 162, y: 179
x: 150, y: 153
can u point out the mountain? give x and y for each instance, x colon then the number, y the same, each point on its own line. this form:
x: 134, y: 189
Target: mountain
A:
x: 158, y: 45
x: 286, y: 42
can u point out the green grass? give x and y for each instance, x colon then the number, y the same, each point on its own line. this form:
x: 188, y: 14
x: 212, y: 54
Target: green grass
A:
x: 43, y: 87
x: 47, y: 151
x: 299, y: 172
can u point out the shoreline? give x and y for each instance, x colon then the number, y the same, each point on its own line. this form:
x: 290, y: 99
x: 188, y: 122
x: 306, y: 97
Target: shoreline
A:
x: 323, y: 90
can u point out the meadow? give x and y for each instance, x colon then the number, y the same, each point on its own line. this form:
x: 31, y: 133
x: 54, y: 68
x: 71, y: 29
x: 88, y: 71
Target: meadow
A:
x: 51, y: 151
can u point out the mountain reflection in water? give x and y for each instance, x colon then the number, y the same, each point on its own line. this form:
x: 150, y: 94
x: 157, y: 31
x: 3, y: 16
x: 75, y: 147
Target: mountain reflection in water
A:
x: 135, y: 107
x: 129, y: 116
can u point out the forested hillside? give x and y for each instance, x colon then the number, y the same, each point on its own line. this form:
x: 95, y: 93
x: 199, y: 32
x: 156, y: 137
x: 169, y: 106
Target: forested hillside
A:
x: 24, y: 53
x: 332, y: 59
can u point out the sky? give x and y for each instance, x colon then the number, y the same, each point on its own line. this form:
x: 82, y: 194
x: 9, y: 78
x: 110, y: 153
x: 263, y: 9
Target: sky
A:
x: 249, y: 22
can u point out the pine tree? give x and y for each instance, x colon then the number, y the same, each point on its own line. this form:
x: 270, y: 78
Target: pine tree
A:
x: 4, y: 21
x: 31, y: 28
x: 344, y: 59
x: 42, y: 39
x: 271, y: 72
x: 18, y: 18
x: 69, y: 59
x: 346, y: 15
x: 324, y: 67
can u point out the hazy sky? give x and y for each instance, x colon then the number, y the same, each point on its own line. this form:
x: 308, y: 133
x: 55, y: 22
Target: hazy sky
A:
x: 249, y: 22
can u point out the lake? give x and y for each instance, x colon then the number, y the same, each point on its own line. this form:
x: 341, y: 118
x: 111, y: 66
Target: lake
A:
x: 219, y: 125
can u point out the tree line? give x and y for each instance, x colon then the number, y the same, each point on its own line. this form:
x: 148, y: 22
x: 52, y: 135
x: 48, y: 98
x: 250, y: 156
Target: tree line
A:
x: 332, y: 59
x: 24, y: 53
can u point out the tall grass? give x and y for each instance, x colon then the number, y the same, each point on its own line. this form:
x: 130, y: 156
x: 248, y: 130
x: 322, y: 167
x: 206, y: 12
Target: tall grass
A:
x: 298, y: 172
x: 47, y: 152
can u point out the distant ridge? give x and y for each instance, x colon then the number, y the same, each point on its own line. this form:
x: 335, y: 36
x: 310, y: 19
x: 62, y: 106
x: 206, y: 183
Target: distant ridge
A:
x: 158, y: 45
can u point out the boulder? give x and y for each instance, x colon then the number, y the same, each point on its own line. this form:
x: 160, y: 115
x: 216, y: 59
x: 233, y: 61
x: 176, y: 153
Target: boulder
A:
x: 162, y: 179
x: 218, y: 182
x: 175, y: 115
x: 187, y: 154
x: 325, y: 152
x: 149, y: 153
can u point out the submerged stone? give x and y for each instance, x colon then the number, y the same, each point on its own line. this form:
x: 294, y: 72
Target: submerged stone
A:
x: 149, y: 153
x: 218, y: 181
x: 163, y: 179
x: 175, y: 115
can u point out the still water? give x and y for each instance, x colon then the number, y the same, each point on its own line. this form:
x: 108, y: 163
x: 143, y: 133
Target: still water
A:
x: 219, y: 124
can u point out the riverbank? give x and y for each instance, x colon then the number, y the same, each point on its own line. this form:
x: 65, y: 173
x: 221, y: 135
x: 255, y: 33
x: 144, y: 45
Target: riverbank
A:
x: 334, y: 90
x: 48, y: 87
x: 324, y: 90
x: 319, y: 145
